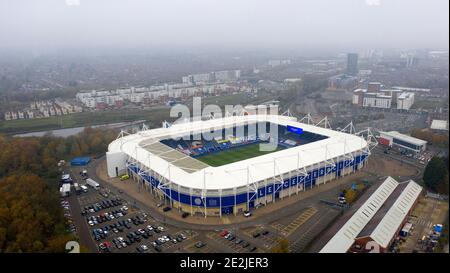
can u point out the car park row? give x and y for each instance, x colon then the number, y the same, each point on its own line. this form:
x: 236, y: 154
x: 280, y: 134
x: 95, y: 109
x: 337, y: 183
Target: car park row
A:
x: 238, y: 242
x: 68, y: 216
x: 137, y: 236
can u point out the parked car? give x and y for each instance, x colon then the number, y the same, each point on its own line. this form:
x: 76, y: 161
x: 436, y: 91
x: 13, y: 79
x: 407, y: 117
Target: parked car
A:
x: 256, y: 234
x: 200, y: 244
x: 185, y: 214
x: 157, y: 248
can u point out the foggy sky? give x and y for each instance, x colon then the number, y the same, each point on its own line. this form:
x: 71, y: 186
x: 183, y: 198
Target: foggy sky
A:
x: 235, y: 23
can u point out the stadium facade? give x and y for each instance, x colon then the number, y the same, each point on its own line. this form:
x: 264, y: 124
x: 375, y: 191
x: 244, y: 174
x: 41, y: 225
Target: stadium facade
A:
x: 171, y: 170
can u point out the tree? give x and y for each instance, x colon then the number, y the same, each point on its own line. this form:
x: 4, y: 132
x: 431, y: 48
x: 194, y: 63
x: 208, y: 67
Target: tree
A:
x: 282, y: 247
x: 435, y: 176
x: 30, y: 216
x: 350, y: 195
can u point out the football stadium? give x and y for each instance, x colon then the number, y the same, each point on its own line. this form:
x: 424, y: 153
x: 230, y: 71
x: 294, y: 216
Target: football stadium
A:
x: 219, y: 166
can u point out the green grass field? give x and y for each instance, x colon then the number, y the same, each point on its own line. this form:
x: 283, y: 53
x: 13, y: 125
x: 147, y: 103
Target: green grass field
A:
x: 234, y: 155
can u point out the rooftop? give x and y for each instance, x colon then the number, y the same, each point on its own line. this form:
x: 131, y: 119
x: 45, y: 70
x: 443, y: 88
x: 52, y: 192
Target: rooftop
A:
x: 189, y: 172
x: 403, y: 137
x: 437, y: 124
x: 379, y: 217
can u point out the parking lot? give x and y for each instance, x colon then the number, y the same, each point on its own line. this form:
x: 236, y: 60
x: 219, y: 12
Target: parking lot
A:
x: 130, y: 225
x: 132, y: 230
x: 114, y: 225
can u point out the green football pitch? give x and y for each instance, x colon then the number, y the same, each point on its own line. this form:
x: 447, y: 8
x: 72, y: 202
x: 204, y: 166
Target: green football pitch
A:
x: 234, y: 155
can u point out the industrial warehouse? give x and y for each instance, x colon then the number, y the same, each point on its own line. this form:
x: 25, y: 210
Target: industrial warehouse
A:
x: 205, y: 177
x: 374, y: 226
x: 403, y: 142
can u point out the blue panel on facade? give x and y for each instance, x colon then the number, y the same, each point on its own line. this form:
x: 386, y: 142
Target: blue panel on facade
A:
x: 174, y: 195
x: 241, y: 198
x: 261, y: 192
x: 328, y: 169
x: 301, y: 179
x: 308, y: 178
x: 294, y: 181
x: 321, y: 172
x: 167, y: 191
x: 212, y: 201
x: 197, y: 201
x: 227, y: 201
x: 277, y: 195
x: 277, y: 187
x: 269, y: 189
x: 185, y: 199
x: 315, y: 173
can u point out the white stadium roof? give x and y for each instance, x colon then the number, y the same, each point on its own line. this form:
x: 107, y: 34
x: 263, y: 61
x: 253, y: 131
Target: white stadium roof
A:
x: 181, y: 169
x: 383, y: 227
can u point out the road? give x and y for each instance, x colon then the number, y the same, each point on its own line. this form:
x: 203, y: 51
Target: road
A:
x: 79, y: 220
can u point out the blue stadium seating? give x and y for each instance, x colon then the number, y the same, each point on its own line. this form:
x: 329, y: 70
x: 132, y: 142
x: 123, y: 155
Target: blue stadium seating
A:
x: 214, y: 147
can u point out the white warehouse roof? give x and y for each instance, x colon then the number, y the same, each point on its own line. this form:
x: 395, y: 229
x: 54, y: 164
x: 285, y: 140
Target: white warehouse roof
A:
x: 385, y: 229
x: 439, y: 124
x: 234, y: 174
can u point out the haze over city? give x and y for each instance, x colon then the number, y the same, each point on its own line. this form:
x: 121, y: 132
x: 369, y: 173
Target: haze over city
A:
x: 233, y: 23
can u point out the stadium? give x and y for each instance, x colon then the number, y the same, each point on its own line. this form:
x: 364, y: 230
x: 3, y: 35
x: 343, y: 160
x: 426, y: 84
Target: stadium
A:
x: 230, y: 174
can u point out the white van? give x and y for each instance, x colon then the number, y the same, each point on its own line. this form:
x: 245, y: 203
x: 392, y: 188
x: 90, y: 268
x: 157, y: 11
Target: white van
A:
x: 84, y: 188
x: 92, y: 183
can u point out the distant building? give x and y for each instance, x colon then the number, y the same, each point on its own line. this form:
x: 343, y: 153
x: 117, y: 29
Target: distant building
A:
x: 376, y: 97
x: 8, y: 116
x: 394, y: 93
x: 352, y: 64
x: 342, y: 81
x: 377, y: 100
x: 374, y: 87
x: 412, y: 89
x: 274, y: 63
x: 227, y: 75
x: 404, y: 142
x: 439, y: 126
x: 365, y: 72
x: 405, y: 100
x: 411, y: 61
